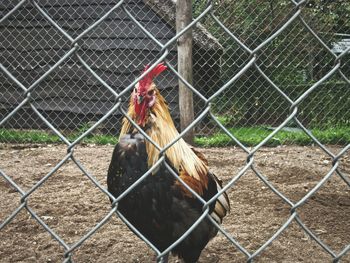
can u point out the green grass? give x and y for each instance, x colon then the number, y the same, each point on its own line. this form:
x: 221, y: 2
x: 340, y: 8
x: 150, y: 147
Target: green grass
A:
x: 247, y: 136
x: 254, y: 135
x: 18, y: 136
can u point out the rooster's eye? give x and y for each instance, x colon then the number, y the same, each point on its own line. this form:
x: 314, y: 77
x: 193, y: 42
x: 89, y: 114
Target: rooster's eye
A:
x: 150, y: 92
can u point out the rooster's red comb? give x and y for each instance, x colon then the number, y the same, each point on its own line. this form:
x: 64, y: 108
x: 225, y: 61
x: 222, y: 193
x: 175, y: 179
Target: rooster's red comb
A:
x: 147, y: 80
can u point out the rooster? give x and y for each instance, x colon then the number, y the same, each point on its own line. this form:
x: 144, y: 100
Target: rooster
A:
x: 161, y: 208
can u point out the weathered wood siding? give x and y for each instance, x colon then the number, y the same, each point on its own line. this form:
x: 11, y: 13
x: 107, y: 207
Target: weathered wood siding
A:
x: 117, y: 50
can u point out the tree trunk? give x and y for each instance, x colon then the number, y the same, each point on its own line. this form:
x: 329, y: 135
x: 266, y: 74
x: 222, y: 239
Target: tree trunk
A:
x: 184, y: 49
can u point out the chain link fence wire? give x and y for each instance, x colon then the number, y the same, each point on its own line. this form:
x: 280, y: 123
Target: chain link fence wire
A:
x: 68, y: 67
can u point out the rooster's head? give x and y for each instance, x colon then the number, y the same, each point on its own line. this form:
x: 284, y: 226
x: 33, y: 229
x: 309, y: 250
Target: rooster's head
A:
x: 144, y: 94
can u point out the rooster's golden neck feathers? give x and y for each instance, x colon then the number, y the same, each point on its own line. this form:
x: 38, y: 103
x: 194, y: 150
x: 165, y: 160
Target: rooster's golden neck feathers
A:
x: 160, y: 127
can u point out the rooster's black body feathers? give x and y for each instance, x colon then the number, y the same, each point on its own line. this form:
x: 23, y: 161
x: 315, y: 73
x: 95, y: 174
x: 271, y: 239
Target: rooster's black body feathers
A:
x: 158, y: 207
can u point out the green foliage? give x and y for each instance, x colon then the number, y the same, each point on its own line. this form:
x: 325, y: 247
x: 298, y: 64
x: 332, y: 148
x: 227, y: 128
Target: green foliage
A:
x: 325, y: 107
x: 294, y: 61
x: 335, y: 14
x: 263, y: 15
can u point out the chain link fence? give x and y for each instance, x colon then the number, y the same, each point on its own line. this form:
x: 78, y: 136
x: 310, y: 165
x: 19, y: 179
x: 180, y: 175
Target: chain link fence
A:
x: 68, y: 67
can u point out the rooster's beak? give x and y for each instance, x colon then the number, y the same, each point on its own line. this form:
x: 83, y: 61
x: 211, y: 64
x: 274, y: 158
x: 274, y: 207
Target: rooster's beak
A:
x: 139, y: 99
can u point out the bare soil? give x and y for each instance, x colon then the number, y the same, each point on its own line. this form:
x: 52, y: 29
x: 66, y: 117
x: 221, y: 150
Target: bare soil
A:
x: 70, y: 204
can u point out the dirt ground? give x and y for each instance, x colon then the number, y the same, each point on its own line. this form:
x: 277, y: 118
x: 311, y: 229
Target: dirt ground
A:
x: 71, y: 205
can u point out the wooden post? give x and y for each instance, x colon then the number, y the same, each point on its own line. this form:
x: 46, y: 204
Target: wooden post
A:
x: 184, y: 53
